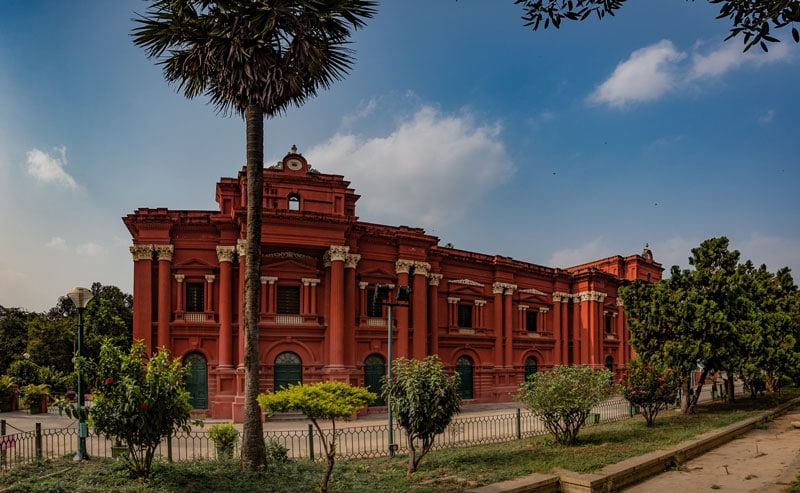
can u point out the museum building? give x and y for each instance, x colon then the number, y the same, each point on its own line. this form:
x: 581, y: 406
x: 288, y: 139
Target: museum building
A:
x: 492, y: 319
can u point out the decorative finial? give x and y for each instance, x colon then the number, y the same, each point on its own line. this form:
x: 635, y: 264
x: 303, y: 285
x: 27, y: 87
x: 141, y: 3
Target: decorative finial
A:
x: 294, y: 149
x: 646, y: 252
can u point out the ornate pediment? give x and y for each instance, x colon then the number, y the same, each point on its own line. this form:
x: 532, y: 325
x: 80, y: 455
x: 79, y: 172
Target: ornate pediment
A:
x: 465, y: 282
x: 532, y: 291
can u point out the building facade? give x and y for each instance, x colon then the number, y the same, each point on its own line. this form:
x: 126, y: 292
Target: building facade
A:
x: 492, y: 319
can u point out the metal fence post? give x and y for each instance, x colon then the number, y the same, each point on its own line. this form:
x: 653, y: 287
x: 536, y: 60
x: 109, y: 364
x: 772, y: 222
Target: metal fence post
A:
x: 38, y: 441
x: 311, y: 442
x: 169, y: 448
x: 519, y: 424
x: 2, y: 444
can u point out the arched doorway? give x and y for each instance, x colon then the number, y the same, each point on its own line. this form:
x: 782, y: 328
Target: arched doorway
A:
x: 374, y: 371
x: 197, y: 381
x: 531, y: 366
x: 288, y: 370
x: 464, y: 368
x: 610, y: 363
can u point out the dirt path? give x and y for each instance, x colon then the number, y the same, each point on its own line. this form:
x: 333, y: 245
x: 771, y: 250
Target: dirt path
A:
x: 763, y: 460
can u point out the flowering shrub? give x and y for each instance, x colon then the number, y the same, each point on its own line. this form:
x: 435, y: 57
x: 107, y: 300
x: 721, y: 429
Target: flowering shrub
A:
x: 138, y: 400
x: 563, y: 398
x: 649, y: 389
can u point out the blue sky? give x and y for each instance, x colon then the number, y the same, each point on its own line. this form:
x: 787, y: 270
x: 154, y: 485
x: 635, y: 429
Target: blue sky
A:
x: 553, y: 147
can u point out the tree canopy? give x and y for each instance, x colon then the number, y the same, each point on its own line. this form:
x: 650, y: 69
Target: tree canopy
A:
x: 751, y: 18
x: 720, y: 316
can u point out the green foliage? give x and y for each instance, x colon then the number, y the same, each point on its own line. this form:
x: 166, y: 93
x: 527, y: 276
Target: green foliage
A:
x: 137, y: 400
x: 649, y: 389
x: 8, y: 392
x: 563, y: 397
x: 33, y: 395
x: 225, y: 436
x: 320, y: 401
x: 14, y: 334
x: 424, y: 400
x: 753, y: 18
x: 24, y: 372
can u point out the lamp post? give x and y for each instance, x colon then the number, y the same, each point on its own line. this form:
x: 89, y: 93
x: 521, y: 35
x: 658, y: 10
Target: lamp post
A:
x: 80, y: 296
x: 381, y: 297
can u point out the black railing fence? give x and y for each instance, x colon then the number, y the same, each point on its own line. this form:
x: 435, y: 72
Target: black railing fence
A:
x: 352, y: 441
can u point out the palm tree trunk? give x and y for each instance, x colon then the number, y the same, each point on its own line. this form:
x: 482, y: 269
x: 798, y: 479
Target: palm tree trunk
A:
x: 254, y: 453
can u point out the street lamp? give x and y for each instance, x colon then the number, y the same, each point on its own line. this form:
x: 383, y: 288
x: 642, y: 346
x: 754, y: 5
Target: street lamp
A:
x: 80, y: 296
x: 381, y: 297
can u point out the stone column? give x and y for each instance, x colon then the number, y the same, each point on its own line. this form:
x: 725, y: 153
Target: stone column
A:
x: 181, y: 291
x: 164, y: 254
x: 508, y: 328
x: 402, y: 268
x: 142, y: 295
x: 480, y: 313
x: 433, y: 311
x: 225, y: 255
x: 208, y: 302
x: 350, y: 304
x: 270, y: 293
x: 241, y: 250
x: 577, y: 330
x: 334, y: 258
x: 497, y: 310
x: 558, y: 331
x: 419, y: 310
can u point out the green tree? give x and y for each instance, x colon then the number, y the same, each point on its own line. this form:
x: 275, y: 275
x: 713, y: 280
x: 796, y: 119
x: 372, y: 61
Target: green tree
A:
x: 14, y: 334
x: 563, y: 398
x: 320, y: 401
x: 138, y: 400
x: 424, y: 400
x: 752, y: 18
x: 254, y: 58
x: 649, y: 389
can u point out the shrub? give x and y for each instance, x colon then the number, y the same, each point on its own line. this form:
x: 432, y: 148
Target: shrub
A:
x: 33, y: 396
x: 8, y: 392
x: 649, y: 389
x: 225, y: 436
x: 424, y: 399
x: 319, y: 401
x: 563, y: 398
x: 138, y: 400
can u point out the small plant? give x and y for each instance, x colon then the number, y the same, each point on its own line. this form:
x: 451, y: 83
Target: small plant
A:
x: 276, y: 452
x: 8, y: 392
x: 225, y: 436
x: 649, y: 389
x: 34, y: 396
x: 715, y: 486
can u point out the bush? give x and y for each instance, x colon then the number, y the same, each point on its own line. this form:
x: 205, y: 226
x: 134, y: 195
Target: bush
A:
x: 564, y: 397
x: 8, y: 392
x: 424, y: 399
x: 138, y: 400
x: 649, y: 389
x: 33, y: 396
x: 276, y: 452
x: 225, y: 436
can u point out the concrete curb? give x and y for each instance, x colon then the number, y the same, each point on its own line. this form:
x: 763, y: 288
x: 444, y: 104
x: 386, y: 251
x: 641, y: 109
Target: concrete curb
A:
x: 630, y: 471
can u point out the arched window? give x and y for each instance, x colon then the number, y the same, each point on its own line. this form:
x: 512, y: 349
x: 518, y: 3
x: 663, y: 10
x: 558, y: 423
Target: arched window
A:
x: 531, y: 366
x: 197, y: 382
x: 374, y: 371
x: 294, y: 202
x: 464, y: 368
x: 288, y: 370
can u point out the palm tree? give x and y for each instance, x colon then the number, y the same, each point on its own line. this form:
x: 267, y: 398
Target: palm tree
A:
x: 254, y: 58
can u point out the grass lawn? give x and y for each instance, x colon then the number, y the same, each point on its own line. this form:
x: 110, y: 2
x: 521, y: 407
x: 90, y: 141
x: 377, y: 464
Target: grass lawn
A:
x: 446, y: 470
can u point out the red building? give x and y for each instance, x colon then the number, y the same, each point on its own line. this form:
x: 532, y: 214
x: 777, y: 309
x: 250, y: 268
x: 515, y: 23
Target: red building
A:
x: 493, y: 319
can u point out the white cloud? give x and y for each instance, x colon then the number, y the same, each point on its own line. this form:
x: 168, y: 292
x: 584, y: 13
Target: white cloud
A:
x: 429, y: 171
x: 91, y: 249
x: 568, y: 257
x: 364, y: 110
x: 646, y: 75
x: 48, y: 168
x: 654, y: 71
x: 57, y: 243
x: 767, y: 117
x: 729, y: 56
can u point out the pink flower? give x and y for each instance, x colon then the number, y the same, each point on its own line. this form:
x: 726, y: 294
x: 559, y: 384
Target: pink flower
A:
x: 109, y: 380
x: 145, y: 405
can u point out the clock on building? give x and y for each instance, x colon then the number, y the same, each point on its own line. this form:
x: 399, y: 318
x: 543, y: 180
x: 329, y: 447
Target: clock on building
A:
x: 294, y: 164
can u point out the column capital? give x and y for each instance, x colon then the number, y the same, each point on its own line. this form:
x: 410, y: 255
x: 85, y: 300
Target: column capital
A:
x: 226, y: 253
x: 591, y: 296
x: 164, y: 252
x: 480, y: 302
x: 503, y: 288
x: 434, y: 279
x: 268, y: 279
x: 336, y: 253
x: 522, y: 308
x: 351, y: 260
x: 403, y: 266
x: 210, y: 278
x: 363, y: 285
x: 543, y: 309
x: 452, y: 300
x: 422, y: 268
x: 619, y: 302
x: 309, y: 281
x: 141, y: 252
x: 180, y: 277
x: 561, y: 297
x: 241, y: 247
